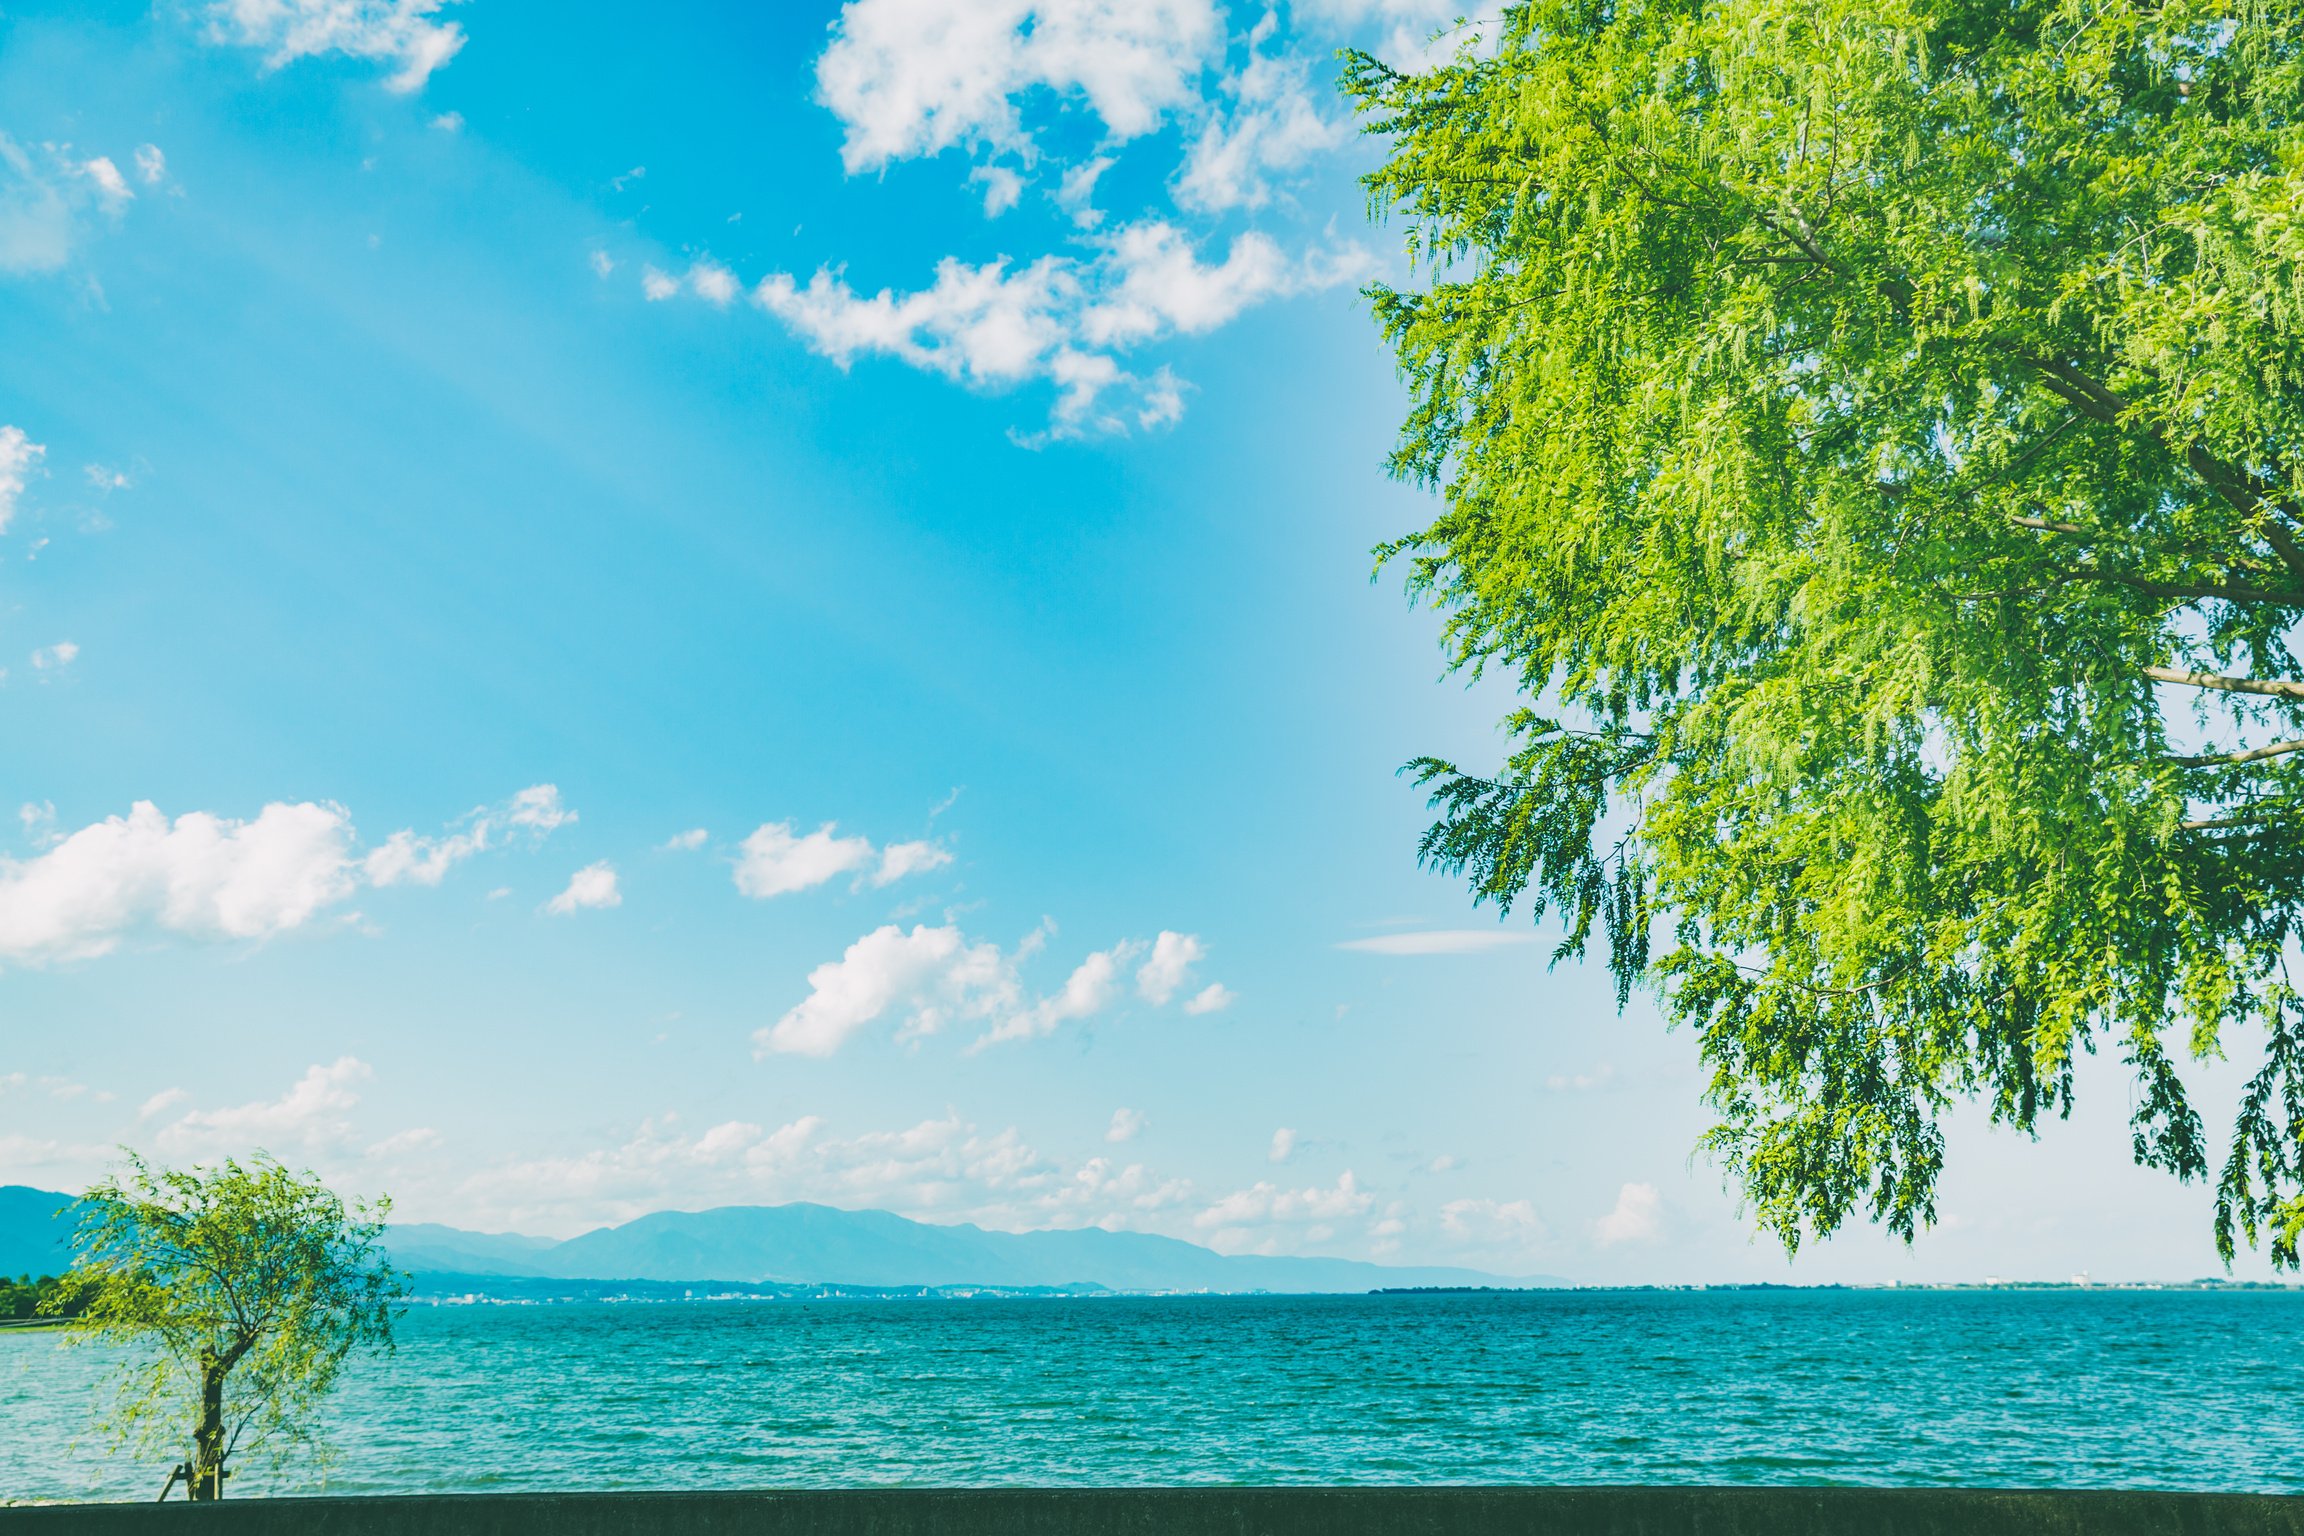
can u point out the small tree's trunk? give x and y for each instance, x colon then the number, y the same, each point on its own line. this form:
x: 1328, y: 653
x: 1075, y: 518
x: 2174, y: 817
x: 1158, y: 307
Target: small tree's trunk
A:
x: 208, y: 1441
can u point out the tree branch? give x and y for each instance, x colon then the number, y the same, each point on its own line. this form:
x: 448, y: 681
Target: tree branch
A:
x: 2279, y: 688
x: 2228, y: 759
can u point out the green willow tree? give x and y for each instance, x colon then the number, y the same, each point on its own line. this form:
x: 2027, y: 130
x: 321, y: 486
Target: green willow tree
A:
x: 1871, y: 433
x: 239, y: 1291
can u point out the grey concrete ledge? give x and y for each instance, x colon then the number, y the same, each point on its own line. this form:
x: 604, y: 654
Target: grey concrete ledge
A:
x: 1599, y: 1511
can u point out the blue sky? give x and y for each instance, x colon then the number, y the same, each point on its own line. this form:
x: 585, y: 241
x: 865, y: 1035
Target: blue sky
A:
x: 606, y: 611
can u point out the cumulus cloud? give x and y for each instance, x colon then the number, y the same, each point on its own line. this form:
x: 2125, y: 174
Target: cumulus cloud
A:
x: 1269, y: 125
x: 313, y: 1114
x: 1492, y: 1222
x: 658, y: 285
x: 19, y: 456
x: 405, y: 858
x: 1127, y: 1125
x: 1089, y: 990
x: 112, y: 189
x: 1212, y: 998
x: 915, y: 77
x: 1445, y: 941
x: 1171, y: 961
x: 590, y: 889
x: 928, y: 976
x: 777, y: 861
x: 1283, y: 1145
x: 1233, y: 1218
x: 1061, y: 320
x: 1637, y: 1217
x: 200, y: 875
x: 401, y: 33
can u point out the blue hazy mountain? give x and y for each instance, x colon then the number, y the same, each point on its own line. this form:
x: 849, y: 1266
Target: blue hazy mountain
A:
x: 809, y: 1245
x: 35, y: 1231
x: 820, y: 1245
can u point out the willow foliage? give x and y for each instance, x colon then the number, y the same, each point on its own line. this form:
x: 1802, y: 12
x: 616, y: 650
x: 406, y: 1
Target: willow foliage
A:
x: 1872, y: 434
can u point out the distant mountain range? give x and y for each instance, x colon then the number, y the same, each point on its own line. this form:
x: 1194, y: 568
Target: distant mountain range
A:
x: 804, y: 1244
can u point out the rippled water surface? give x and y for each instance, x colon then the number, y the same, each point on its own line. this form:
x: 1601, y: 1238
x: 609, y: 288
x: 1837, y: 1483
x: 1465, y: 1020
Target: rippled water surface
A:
x: 2141, y: 1389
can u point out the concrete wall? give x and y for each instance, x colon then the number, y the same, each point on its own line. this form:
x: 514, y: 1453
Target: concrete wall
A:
x: 1625, y: 1511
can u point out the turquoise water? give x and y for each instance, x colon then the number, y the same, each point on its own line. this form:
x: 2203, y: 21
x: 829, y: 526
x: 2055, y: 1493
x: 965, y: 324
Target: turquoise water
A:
x: 2140, y: 1389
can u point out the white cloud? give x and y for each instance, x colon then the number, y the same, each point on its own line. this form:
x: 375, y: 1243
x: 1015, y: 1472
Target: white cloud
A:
x: 1638, y: 1217
x: 1213, y: 998
x: 161, y: 1102
x: 1271, y: 125
x: 19, y: 456
x: 1418, y: 33
x: 685, y: 842
x: 312, y: 1114
x: 602, y: 263
x: 106, y: 479
x: 776, y: 862
x: 928, y: 975
x: 1091, y: 988
x: 55, y: 658
x: 405, y: 858
x: 914, y: 77
x: 1127, y: 1125
x: 1446, y: 941
x: 416, y: 1139
x: 151, y: 164
x: 1283, y: 1145
x: 449, y: 122
x: 898, y: 860
x: 590, y: 888
x: 1266, y: 1204
x: 1078, y: 186
x: 658, y: 285
x: 539, y: 809
x: 1060, y: 319
x: 1490, y: 1222
x: 200, y: 875
x: 713, y: 283
x: 931, y: 976
x: 1164, y: 973
x: 399, y: 32
x: 112, y: 189
x: 1002, y: 187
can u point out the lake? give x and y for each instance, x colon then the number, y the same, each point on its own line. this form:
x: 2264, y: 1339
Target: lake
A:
x: 2171, y: 1389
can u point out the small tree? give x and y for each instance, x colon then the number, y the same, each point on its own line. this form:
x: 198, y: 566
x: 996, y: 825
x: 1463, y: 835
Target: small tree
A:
x: 245, y: 1287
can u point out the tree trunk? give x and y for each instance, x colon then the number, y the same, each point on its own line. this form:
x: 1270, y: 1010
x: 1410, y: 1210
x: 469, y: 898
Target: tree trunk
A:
x: 208, y: 1441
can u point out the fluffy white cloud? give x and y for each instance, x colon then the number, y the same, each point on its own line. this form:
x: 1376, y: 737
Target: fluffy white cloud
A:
x: 313, y: 1114
x: 1266, y: 1204
x: 591, y: 888
x: 405, y: 858
x: 898, y: 860
x: 1271, y: 124
x: 686, y: 842
x: 1283, y: 1145
x: 777, y: 861
x: 19, y: 456
x: 1443, y: 941
x: 928, y: 975
x: 1212, y: 998
x: 658, y: 285
x: 1170, y: 964
x: 200, y: 875
x: 914, y: 77
x: 1089, y: 990
x: 1490, y: 1222
x: 112, y: 189
x: 402, y: 33
x: 1637, y: 1217
x: 713, y: 283
x: 1060, y: 319
x: 1127, y: 1125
